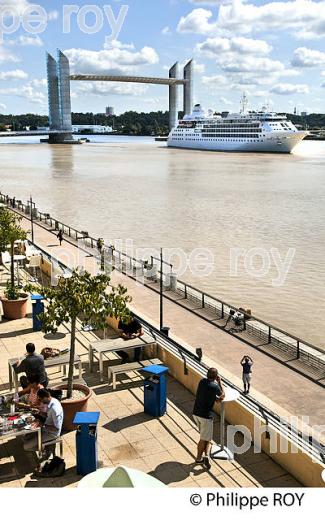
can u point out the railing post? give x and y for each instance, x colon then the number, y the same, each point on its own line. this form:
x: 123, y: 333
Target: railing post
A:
x: 270, y: 335
x: 203, y: 301
x: 185, y: 292
x: 298, y: 349
x: 222, y: 310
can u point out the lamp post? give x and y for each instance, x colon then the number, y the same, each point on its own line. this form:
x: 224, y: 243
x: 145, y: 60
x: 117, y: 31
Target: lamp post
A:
x: 31, y: 203
x: 161, y: 296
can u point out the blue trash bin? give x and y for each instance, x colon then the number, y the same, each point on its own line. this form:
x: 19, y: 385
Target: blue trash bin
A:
x: 38, y: 308
x: 86, y: 442
x: 155, y: 390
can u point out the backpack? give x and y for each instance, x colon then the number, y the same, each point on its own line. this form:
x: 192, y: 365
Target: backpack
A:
x: 52, y: 469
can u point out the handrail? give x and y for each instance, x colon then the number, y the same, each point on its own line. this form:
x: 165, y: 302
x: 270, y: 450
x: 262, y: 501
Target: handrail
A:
x: 80, y: 235
x: 252, y: 317
x: 305, y: 442
x: 310, y: 445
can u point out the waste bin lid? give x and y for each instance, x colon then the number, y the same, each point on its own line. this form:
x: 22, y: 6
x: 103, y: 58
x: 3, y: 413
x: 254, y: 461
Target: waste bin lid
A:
x: 155, y: 370
x: 36, y: 297
x: 86, y: 418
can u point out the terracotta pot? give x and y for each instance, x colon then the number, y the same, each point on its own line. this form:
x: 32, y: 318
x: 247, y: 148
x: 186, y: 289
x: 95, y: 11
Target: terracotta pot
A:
x: 71, y: 407
x: 15, y: 309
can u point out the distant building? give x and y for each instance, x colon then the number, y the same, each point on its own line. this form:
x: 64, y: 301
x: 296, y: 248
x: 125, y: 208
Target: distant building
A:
x: 110, y: 111
x: 93, y: 129
x: 304, y: 114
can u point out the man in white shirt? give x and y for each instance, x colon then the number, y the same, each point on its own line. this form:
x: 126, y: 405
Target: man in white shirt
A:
x: 52, y: 427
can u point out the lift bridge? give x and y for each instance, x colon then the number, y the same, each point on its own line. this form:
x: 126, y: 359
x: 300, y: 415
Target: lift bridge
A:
x: 59, y: 78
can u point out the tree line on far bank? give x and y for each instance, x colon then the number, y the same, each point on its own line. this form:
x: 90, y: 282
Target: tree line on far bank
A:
x: 131, y: 123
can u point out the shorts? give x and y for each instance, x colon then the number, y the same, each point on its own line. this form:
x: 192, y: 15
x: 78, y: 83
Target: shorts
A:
x: 247, y: 378
x: 205, y: 427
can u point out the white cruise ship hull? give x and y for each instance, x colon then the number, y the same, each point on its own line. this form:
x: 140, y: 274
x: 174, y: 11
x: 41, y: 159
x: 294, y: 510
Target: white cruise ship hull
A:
x: 284, y: 142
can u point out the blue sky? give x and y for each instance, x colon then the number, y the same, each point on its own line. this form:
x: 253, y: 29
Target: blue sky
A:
x: 275, y: 51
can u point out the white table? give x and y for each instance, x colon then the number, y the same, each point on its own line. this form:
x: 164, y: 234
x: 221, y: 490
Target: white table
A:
x: 112, y: 345
x: 221, y: 451
x: 61, y: 361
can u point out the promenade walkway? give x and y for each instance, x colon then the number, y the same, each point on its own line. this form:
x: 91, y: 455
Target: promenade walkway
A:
x: 164, y: 447
x: 273, y: 384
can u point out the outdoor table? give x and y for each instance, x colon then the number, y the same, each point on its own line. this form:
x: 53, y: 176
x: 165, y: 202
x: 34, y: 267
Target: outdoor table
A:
x: 17, y: 431
x: 220, y: 451
x: 58, y: 361
x: 110, y: 345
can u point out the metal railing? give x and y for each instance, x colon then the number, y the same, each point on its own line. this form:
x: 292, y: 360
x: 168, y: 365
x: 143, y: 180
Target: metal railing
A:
x: 305, y: 442
x: 216, y: 309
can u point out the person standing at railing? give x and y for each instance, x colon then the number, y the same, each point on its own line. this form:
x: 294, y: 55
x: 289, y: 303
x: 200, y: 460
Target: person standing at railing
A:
x: 60, y: 236
x: 247, y: 364
x: 209, y: 392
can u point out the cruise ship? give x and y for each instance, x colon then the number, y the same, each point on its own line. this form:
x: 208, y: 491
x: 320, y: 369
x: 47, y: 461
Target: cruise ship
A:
x: 246, y: 131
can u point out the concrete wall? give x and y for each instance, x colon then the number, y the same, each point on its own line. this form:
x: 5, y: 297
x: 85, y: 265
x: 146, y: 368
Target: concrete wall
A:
x: 300, y: 465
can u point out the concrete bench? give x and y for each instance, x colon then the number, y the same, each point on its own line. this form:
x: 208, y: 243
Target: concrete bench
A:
x: 129, y: 367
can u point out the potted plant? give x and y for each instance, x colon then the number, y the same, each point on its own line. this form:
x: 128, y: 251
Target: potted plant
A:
x: 92, y: 300
x: 14, y: 302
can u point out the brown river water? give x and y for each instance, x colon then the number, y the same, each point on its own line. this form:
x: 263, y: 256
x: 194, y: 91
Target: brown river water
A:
x: 270, y: 206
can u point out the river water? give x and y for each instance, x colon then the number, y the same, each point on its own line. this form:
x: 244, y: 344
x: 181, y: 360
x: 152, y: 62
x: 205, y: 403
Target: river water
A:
x: 133, y: 188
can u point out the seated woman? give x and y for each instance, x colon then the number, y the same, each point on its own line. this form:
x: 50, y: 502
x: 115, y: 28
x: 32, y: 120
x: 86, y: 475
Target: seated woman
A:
x: 32, y: 400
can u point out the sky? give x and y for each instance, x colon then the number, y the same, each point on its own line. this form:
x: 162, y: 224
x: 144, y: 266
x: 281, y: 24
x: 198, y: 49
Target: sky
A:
x: 273, y: 51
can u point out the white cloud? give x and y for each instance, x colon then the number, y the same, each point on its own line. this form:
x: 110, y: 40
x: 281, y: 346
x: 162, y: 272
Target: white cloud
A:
x: 7, y: 56
x: 215, y: 81
x: 212, y: 47
x: 226, y: 101
x: 24, y: 41
x: 116, y: 59
x: 304, y: 18
x: 13, y: 75
x: 166, y: 31
x: 27, y: 92
x: 285, y: 89
x: 14, y: 6
x: 304, y: 57
x: 39, y: 83
x: 3, y: 106
x: 102, y: 88
x: 210, y: 2
x: 250, y: 64
x: 197, y: 22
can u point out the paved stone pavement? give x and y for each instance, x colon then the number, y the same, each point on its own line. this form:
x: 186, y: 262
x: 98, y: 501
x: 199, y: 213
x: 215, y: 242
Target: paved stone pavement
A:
x: 164, y: 447
x: 276, y: 386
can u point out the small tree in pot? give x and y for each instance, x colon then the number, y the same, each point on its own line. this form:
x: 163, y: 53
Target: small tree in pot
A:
x: 90, y: 298
x: 10, y: 232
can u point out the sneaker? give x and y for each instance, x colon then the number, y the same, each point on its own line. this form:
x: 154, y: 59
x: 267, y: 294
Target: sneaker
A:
x: 206, y: 463
x: 198, y: 461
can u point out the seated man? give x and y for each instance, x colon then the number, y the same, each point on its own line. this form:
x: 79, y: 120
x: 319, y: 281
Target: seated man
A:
x: 31, y: 364
x: 52, y: 427
x: 130, y: 330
